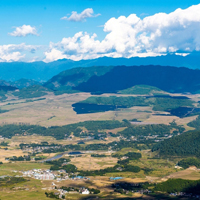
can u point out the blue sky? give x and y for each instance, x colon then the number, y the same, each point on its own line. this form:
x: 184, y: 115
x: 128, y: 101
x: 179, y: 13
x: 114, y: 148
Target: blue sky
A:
x: 45, y: 31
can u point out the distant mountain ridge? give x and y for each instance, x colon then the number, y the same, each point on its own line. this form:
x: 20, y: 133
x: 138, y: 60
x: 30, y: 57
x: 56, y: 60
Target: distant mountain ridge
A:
x: 114, y: 79
x: 118, y: 79
x: 40, y: 71
x: 68, y: 79
x: 21, y: 83
x: 170, y: 79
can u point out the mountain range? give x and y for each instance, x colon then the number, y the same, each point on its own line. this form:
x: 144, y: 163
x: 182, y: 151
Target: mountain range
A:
x: 113, y: 79
x: 103, y: 75
x: 40, y: 71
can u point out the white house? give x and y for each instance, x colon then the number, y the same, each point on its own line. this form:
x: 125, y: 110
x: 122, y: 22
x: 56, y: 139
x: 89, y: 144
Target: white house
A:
x: 86, y: 191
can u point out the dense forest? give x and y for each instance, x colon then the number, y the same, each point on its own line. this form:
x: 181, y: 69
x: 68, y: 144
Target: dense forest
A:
x: 195, y: 123
x: 123, y: 77
x: 62, y: 163
x: 186, y: 144
x: 187, y: 162
x: 59, y: 132
x: 157, y: 102
x: 153, y: 129
x: 179, y: 185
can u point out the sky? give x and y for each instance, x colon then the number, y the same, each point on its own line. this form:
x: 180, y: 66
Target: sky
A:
x: 48, y: 30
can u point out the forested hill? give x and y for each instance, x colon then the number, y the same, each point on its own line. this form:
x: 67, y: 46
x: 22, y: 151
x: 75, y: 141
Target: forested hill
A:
x: 170, y: 79
x: 121, y: 79
x: 186, y: 144
x: 73, y: 77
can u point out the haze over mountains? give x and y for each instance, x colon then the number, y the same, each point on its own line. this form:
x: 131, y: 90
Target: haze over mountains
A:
x: 40, y: 71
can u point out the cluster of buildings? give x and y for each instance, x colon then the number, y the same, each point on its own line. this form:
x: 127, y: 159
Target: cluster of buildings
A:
x: 39, y: 149
x: 39, y: 174
x: 58, y: 175
x: 62, y: 192
x: 46, y: 174
x: 156, y: 138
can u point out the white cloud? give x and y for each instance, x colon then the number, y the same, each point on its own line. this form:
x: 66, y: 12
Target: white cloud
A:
x: 23, y: 31
x: 182, y: 54
x: 132, y: 36
x: 54, y: 54
x: 75, y: 17
x: 15, y: 52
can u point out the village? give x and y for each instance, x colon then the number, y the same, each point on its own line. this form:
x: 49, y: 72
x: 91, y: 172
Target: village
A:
x: 56, y: 176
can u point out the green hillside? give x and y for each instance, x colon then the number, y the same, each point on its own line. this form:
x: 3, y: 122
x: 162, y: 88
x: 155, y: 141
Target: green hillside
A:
x: 22, y: 83
x: 141, y: 89
x: 186, y: 144
x: 73, y: 77
x: 32, y: 92
x: 117, y: 101
x: 158, y: 102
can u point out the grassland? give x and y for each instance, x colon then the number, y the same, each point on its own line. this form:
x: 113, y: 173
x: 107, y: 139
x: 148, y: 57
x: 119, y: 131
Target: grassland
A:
x: 191, y: 173
x: 57, y: 110
x: 86, y: 162
x: 9, y: 153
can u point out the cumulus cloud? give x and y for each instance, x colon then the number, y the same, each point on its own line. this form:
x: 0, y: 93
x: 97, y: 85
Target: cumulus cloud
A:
x: 132, y: 36
x: 75, y: 17
x: 23, y: 31
x: 54, y: 54
x: 15, y: 52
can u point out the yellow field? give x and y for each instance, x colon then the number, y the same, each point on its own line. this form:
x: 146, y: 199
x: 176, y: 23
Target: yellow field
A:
x: 191, y: 173
x: 10, y: 153
x: 86, y: 162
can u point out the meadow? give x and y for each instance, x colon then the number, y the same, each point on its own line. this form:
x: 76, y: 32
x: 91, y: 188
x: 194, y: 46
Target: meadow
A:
x: 56, y: 110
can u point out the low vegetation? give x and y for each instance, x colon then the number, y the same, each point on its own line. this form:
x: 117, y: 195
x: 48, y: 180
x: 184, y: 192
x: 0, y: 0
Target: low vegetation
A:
x: 9, y: 181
